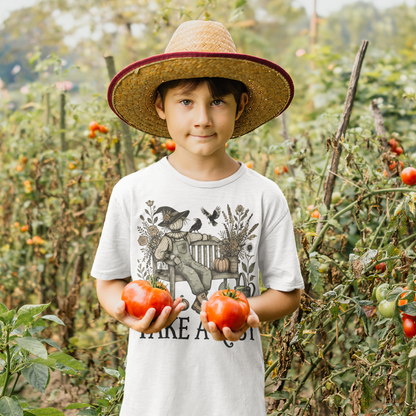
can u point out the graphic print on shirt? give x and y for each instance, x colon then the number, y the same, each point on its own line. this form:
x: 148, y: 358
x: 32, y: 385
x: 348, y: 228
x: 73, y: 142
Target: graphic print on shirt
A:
x: 175, y: 255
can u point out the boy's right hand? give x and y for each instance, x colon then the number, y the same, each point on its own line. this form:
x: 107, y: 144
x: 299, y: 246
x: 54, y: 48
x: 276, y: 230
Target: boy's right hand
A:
x: 145, y: 324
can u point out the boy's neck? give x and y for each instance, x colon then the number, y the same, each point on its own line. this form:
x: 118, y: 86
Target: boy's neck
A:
x: 204, y: 169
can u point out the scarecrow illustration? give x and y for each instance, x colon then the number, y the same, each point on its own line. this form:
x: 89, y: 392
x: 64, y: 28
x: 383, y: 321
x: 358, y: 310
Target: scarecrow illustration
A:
x: 175, y: 247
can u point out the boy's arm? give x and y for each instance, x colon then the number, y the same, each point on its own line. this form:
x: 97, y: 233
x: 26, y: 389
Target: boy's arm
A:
x: 109, y: 295
x: 274, y: 304
x: 269, y: 306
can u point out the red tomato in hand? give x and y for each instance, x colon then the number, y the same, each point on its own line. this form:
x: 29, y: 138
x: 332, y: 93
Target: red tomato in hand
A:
x: 228, y: 308
x: 408, y: 176
x: 141, y: 295
x: 409, y: 327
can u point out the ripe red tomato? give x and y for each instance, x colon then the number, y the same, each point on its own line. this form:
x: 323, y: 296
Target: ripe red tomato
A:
x: 94, y: 126
x: 228, y: 308
x: 408, y: 176
x: 102, y: 129
x: 393, y: 144
x: 316, y: 214
x: 141, y: 295
x: 170, y: 145
x: 381, y: 267
x: 409, y: 327
x: 398, y: 151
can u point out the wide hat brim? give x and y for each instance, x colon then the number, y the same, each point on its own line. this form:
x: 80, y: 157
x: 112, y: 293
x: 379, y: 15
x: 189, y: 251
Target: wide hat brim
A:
x: 132, y: 92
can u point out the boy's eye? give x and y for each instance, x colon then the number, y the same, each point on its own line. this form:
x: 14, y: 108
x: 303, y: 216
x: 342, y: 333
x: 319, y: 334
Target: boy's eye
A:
x: 217, y: 102
x: 185, y: 102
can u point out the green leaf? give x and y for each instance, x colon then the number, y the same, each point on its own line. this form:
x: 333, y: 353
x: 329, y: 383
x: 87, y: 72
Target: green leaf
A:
x: 244, y: 267
x: 27, y: 313
x: 279, y: 395
x: 368, y: 256
x: 37, y: 375
x: 10, y: 407
x: 335, y: 224
x: 3, y: 308
x: 7, y: 317
x: 45, y: 411
x: 103, y: 402
x: 68, y: 361
x: 48, y: 362
x: 394, y: 294
x: 33, y: 346
x: 51, y: 342
x: 314, y: 274
x: 53, y: 318
x: 409, y: 308
x: 77, y: 406
x: 112, y: 372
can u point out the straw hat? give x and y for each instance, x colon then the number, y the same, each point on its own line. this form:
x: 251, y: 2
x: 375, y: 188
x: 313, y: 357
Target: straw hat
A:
x: 199, y: 49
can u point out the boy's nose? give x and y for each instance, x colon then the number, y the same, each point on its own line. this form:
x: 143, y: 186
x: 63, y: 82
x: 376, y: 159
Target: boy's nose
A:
x: 202, y: 117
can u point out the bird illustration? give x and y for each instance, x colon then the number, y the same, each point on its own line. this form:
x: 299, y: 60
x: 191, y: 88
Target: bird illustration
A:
x: 212, y: 217
x: 196, y: 226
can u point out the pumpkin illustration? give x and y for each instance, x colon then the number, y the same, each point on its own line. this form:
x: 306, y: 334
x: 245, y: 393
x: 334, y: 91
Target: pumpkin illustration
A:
x: 221, y: 264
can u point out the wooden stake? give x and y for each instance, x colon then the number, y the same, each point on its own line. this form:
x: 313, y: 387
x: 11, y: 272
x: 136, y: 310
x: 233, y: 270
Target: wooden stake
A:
x: 125, y: 131
x: 342, y: 128
x: 62, y: 122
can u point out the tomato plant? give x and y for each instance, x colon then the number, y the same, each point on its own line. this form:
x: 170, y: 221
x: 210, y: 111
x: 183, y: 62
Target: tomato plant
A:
x: 386, y: 308
x: 228, y: 308
x: 408, y: 176
x: 141, y: 295
x: 409, y: 327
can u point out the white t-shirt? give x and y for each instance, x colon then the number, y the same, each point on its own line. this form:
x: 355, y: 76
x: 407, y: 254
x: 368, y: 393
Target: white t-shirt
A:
x: 163, y: 223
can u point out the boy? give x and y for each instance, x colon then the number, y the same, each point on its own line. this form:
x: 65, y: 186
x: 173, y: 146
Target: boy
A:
x: 200, y: 93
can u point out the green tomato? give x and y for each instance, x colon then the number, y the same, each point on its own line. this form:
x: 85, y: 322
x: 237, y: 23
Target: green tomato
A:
x: 324, y: 268
x: 381, y: 292
x: 386, y: 308
x: 336, y: 197
x: 373, y: 295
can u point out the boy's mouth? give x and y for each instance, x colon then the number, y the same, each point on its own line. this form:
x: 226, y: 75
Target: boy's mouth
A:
x: 202, y: 137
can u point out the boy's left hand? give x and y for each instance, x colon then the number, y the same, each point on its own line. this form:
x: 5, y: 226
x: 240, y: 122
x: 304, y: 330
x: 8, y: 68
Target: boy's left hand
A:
x: 226, y: 334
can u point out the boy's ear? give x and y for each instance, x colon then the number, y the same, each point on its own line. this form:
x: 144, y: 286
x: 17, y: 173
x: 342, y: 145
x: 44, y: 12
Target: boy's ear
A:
x: 241, y: 106
x: 159, y: 107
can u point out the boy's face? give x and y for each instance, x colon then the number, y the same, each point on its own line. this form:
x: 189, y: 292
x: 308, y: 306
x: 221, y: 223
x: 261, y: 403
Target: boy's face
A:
x: 199, y: 125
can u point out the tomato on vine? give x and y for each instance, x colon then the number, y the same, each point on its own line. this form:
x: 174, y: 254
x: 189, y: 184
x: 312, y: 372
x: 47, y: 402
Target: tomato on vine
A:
x: 408, y: 176
x: 381, y: 267
x: 386, y: 308
x: 409, y: 326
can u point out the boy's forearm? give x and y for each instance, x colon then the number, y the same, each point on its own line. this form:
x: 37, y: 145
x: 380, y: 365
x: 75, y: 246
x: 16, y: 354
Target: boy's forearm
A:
x: 109, y: 293
x: 274, y: 304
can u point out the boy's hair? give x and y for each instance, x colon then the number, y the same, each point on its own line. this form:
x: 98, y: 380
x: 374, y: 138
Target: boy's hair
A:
x: 218, y: 87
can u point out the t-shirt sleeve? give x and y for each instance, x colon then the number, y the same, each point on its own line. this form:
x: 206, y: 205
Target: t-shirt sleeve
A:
x: 278, y: 259
x: 112, y: 259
